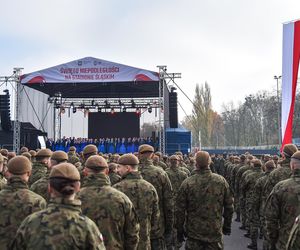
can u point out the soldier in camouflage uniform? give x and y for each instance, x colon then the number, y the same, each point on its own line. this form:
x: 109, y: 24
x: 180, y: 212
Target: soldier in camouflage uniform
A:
x: 61, y: 225
x: 16, y: 200
x: 283, y: 206
x: 33, y: 155
x: 111, y: 209
x: 176, y: 177
x: 113, y: 175
x: 160, y: 162
x: 41, y: 186
x: 247, y: 191
x: 283, y: 172
x: 191, y: 167
x: 160, y: 180
x: 294, y: 238
x: 238, y: 178
x: 72, y: 157
x: 202, y: 200
x: 258, y: 204
x: 143, y: 196
x: 182, y: 165
x: 40, y: 167
x: 3, y: 181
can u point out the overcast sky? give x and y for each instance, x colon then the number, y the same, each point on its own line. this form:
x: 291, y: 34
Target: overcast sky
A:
x: 234, y: 45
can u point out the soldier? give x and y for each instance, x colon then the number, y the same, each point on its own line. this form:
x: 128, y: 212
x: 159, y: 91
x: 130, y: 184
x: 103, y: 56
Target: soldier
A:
x: 282, y: 206
x: 89, y: 150
x: 143, y: 196
x: 191, y: 167
x: 16, y: 200
x: 282, y: 173
x: 176, y: 177
x: 33, y: 155
x: 61, y: 225
x: 182, y: 165
x: 294, y: 238
x: 26, y: 154
x: 113, y: 176
x: 3, y: 180
x: 238, y: 180
x: 72, y: 157
x: 41, y: 186
x: 160, y: 180
x: 248, y: 188
x: 4, y: 152
x: 202, y: 200
x: 40, y: 167
x: 111, y: 209
x: 258, y: 204
x: 23, y: 150
x: 11, y: 155
x: 160, y: 161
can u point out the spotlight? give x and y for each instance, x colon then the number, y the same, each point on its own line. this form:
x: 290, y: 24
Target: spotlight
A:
x: 150, y: 110
x: 112, y: 111
x: 107, y: 105
x: 99, y: 110
x: 148, y: 105
x: 72, y: 105
x: 124, y: 109
x: 74, y: 110
x: 138, y: 111
x: 93, y: 102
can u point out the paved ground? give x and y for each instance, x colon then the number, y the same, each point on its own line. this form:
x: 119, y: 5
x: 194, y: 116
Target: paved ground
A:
x: 237, y: 241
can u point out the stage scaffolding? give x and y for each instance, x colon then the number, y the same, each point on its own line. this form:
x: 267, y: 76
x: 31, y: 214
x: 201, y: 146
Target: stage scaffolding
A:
x: 61, y: 105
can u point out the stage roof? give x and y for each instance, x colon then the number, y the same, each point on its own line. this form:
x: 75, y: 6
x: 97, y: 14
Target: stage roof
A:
x: 94, y: 78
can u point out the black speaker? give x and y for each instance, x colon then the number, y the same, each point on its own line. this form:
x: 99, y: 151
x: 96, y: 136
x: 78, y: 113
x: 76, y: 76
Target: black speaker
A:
x: 5, y: 111
x: 173, y: 112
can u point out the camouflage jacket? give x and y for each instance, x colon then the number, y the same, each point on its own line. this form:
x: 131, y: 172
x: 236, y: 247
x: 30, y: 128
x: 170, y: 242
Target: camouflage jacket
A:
x: 60, y: 226
x: 233, y: 176
x: 16, y: 203
x: 112, y: 211
x: 202, y: 199
x: 160, y: 180
x: 277, y: 175
x: 39, y: 170
x: 3, y: 181
x: 41, y: 187
x: 176, y: 177
x: 294, y: 238
x: 249, y: 180
x: 162, y: 165
x: 258, y: 199
x: 145, y: 200
x: 114, y: 178
x: 238, y: 177
x: 281, y: 209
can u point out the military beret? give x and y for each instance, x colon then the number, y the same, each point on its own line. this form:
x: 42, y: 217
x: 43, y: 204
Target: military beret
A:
x: 59, y: 156
x: 19, y: 165
x: 11, y: 155
x: 289, y: 150
x: 158, y: 153
x: 27, y: 155
x: 1, y: 158
x: 4, y: 152
x: 256, y: 162
x: 90, y: 149
x: 270, y: 164
x: 33, y: 153
x: 65, y: 170
x: 203, y: 159
x: 173, y: 157
x: 23, y: 149
x: 144, y: 148
x: 296, y: 155
x: 243, y: 157
x: 45, y: 152
x: 96, y: 162
x: 72, y: 148
x: 128, y: 159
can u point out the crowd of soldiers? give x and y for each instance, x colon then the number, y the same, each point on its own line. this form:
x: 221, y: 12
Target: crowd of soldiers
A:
x: 266, y: 196
x: 145, y: 200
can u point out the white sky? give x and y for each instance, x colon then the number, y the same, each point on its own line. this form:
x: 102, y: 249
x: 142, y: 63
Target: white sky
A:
x: 234, y: 45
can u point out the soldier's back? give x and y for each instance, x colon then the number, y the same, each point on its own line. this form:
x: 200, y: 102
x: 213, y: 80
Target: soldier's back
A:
x: 40, y: 187
x: 39, y: 170
x: 58, y: 227
x: 16, y: 203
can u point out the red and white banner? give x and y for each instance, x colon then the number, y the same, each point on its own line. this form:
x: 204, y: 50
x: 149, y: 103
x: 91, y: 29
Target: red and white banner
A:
x: 89, y: 70
x: 290, y: 66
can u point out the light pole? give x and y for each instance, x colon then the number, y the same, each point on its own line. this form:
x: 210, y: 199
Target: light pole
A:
x: 278, y: 111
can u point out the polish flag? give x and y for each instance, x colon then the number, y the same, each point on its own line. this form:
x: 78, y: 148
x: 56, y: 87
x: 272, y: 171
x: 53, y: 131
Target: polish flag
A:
x: 290, y: 65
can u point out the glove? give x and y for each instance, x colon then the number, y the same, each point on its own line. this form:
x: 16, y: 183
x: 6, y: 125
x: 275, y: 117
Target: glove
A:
x: 226, y: 230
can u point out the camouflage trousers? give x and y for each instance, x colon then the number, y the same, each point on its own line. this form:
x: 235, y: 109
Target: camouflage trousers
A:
x: 192, y: 244
x: 158, y: 244
x: 237, y: 204
x: 243, y: 210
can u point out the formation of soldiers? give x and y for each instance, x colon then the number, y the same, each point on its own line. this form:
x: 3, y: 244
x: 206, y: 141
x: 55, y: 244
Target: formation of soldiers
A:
x: 266, y: 196
x: 145, y: 200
